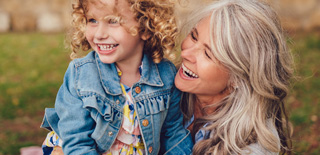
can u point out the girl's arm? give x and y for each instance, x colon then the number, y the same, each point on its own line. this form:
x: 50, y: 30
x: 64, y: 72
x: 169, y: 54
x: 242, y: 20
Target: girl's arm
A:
x: 175, y: 139
x: 75, y: 124
x: 57, y: 151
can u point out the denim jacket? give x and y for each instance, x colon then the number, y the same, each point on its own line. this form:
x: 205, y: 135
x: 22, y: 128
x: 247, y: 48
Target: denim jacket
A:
x: 89, y: 108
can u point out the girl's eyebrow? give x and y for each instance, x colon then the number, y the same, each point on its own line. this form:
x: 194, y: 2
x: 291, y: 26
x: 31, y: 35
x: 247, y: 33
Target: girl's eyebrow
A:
x: 89, y: 15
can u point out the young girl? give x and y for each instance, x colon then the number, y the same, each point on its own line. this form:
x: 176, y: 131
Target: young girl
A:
x: 120, y: 98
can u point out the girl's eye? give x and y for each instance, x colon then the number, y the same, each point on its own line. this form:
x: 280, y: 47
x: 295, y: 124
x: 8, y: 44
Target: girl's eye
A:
x: 91, y: 20
x: 113, y: 21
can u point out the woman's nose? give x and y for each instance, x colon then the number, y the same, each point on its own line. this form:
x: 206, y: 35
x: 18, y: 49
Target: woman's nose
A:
x: 189, y: 54
x: 101, y: 32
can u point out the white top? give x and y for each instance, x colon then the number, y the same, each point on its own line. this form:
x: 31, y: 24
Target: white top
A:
x: 252, y: 149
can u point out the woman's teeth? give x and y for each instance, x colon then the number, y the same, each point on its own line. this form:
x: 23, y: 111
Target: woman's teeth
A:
x: 107, y: 47
x: 188, y: 72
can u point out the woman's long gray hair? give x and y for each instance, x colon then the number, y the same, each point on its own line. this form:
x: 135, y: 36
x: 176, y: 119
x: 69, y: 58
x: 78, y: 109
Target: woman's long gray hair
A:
x: 247, y: 38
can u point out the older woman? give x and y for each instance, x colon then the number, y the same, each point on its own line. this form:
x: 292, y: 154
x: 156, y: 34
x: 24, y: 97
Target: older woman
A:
x: 235, y: 71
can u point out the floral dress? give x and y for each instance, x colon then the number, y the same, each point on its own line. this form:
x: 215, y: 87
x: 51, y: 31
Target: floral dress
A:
x: 129, y: 139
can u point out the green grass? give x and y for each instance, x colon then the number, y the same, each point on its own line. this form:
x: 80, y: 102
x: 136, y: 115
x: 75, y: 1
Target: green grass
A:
x: 32, y: 66
x: 304, y: 100
x: 31, y: 72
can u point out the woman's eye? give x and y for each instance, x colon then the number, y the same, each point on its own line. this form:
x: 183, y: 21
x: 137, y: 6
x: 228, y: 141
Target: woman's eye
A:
x: 91, y: 20
x: 205, y: 51
x: 192, y: 34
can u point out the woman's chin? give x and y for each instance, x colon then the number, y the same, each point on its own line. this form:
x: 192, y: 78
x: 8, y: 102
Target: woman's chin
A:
x: 181, y: 84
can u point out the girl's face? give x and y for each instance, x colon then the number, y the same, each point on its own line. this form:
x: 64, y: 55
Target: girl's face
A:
x: 112, y: 41
x: 200, y: 73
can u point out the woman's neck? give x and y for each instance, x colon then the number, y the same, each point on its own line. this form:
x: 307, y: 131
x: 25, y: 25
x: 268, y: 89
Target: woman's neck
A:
x: 206, y: 105
x: 203, y: 106
x: 200, y: 107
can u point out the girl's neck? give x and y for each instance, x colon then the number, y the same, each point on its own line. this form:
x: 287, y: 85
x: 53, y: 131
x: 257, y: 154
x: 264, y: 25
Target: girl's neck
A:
x: 130, y: 73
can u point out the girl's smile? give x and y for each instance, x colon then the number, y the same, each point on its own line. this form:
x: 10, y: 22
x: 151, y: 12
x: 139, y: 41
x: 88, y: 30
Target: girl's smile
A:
x: 105, y: 49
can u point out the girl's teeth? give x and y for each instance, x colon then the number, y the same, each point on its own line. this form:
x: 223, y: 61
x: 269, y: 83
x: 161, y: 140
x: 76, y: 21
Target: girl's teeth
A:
x: 106, y: 47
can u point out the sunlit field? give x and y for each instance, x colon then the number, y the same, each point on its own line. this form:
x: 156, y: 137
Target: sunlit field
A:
x: 32, y: 66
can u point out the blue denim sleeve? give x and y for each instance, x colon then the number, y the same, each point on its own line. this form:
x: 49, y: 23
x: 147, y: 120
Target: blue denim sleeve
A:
x: 75, y: 124
x: 175, y: 139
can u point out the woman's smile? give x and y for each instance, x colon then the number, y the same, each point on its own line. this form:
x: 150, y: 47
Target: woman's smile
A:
x: 187, y: 72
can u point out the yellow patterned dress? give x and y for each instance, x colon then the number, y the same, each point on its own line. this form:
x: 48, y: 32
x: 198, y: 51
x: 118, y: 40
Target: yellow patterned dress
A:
x: 129, y: 140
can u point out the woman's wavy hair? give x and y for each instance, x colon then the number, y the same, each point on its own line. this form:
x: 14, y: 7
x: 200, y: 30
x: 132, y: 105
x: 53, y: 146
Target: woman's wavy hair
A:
x: 247, y: 38
x: 156, y: 20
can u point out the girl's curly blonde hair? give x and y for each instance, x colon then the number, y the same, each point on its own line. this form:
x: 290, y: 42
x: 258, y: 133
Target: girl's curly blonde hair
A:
x: 156, y: 20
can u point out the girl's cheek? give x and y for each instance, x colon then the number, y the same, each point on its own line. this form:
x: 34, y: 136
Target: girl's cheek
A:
x: 88, y: 33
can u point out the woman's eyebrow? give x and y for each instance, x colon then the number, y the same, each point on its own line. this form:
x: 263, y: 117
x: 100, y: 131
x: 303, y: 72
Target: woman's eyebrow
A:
x: 208, y: 47
x: 196, y: 31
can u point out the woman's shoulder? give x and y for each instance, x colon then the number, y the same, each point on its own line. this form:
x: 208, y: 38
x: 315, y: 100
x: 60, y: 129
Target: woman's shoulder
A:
x: 256, y: 148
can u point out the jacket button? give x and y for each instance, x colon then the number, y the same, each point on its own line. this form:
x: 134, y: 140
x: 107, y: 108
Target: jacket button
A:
x: 150, y: 149
x: 117, y: 101
x: 145, y: 122
x: 110, y: 133
x: 137, y: 90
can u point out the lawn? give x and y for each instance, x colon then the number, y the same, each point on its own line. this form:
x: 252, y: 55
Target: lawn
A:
x: 32, y: 66
x: 304, y: 100
x: 31, y: 72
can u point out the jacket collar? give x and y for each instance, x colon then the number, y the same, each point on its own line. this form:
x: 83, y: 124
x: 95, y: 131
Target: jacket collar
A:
x: 111, y: 81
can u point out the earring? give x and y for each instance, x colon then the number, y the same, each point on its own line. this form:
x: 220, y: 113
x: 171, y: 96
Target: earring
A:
x: 234, y: 86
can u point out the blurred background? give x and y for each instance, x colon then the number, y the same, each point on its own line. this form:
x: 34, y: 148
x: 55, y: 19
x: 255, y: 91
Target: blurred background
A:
x: 33, y: 59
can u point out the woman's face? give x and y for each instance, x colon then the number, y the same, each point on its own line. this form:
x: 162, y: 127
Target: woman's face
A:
x: 200, y: 72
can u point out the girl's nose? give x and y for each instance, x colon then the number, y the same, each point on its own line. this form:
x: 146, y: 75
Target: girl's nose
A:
x: 101, y: 32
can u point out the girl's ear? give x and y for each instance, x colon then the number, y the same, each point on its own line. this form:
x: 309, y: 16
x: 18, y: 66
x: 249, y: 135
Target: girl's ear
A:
x: 145, y: 36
